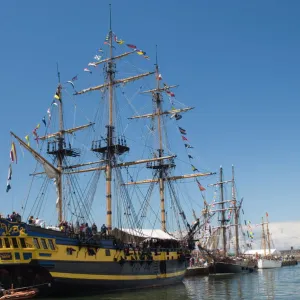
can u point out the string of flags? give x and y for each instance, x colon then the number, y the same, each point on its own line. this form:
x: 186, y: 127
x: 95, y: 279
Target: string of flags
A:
x: 13, y: 152
x: 183, y: 133
x: 13, y: 159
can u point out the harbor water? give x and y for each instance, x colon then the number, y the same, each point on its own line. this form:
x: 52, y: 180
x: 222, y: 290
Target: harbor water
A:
x: 281, y: 283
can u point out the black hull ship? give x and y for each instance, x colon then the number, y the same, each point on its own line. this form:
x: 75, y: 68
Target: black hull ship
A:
x: 74, y: 254
x: 228, y: 212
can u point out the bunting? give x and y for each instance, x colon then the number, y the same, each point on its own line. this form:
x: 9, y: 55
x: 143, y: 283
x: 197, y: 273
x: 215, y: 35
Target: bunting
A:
x: 58, y: 93
x: 182, y: 131
x: 131, y: 46
x: 188, y: 146
x: 201, y: 188
x: 184, y: 138
x: 44, y: 121
x: 190, y: 156
x: 74, y: 78
x: 13, y: 153
x: 87, y: 70
x: 27, y: 139
x: 194, y: 168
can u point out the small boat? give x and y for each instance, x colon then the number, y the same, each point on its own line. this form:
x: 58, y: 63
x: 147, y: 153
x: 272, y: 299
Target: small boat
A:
x: 22, y: 293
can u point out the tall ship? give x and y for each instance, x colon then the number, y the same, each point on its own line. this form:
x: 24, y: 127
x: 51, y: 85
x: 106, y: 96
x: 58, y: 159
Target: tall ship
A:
x: 222, y: 242
x: 137, y: 245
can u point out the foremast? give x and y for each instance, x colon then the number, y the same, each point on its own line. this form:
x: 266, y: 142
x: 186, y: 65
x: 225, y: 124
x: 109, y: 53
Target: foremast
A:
x: 223, y: 220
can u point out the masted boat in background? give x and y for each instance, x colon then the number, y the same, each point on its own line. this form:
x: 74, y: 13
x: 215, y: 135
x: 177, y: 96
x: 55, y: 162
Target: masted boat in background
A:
x: 269, y: 259
x: 123, y: 254
x: 228, y: 212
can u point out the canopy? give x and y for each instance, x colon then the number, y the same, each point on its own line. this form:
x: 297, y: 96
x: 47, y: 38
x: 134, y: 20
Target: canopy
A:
x: 262, y: 252
x: 147, y: 233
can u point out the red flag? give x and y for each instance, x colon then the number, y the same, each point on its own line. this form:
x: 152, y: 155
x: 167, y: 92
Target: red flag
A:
x: 267, y: 214
x: 184, y: 138
x: 201, y: 188
x: 131, y: 46
x: 13, y: 153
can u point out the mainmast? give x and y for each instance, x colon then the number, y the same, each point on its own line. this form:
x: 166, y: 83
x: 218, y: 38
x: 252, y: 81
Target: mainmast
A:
x: 263, y: 236
x: 268, y: 235
x: 158, y: 99
x: 223, y: 221
x: 236, y: 215
x: 110, y: 129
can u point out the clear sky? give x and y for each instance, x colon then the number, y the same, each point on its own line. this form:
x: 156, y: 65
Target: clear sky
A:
x: 237, y: 62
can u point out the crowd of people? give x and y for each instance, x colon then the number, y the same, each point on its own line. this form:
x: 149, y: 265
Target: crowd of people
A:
x: 14, y: 217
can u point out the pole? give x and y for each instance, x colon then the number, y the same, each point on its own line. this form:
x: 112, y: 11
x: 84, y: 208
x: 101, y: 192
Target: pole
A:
x: 236, y: 216
x: 223, y: 221
x: 110, y: 154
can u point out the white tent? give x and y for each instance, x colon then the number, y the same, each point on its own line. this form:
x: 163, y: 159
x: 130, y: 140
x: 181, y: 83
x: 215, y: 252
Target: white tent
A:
x: 262, y: 252
x: 148, y: 233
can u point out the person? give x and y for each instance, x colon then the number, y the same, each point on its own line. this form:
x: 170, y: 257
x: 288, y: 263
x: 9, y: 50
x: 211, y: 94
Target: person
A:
x: 31, y: 220
x: 94, y: 229
x: 103, y: 230
x: 13, y: 217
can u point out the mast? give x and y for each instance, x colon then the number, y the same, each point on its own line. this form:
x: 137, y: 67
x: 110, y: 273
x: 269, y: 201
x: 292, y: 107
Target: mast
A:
x: 263, y: 236
x: 236, y: 215
x: 60, y: 154
x: 110, y: 128
x: 223, y: 221
x: 157, y: 98
x: 268, y: 235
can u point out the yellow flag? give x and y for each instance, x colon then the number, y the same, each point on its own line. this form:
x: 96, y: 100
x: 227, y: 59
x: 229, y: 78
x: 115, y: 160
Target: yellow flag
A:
x: 27, y: 139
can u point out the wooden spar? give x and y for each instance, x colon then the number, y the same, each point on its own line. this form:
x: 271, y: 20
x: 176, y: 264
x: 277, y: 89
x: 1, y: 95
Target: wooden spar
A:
x: 110, y: 129
x: 236, y: 215
x: 70, y: 131
x: 218, y: 183
x: 263, y: 236
x: 161, y: 175
x: 37, y: 156
x: 125, y: 164
x: 84, y: 164
x: 268, y: 234
x: 163, y: 89
x: 168, y: 112
x: 223, y: 212
x: 225, y: 201
x: 170, y: 178
x: 113, y: 58
x: 114, y: 82
x: 223, y: 209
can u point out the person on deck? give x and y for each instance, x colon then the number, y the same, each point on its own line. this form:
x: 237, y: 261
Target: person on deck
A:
x: 103, y: 230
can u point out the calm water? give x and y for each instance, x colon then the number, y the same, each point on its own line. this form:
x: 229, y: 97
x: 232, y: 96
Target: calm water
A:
x: 282, y: 283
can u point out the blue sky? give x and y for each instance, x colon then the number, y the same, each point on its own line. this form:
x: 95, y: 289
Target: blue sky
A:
x: 237, y: 62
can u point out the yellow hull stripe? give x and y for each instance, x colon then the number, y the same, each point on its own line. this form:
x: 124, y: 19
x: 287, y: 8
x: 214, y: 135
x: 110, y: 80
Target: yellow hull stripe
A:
x: 114, y: 277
